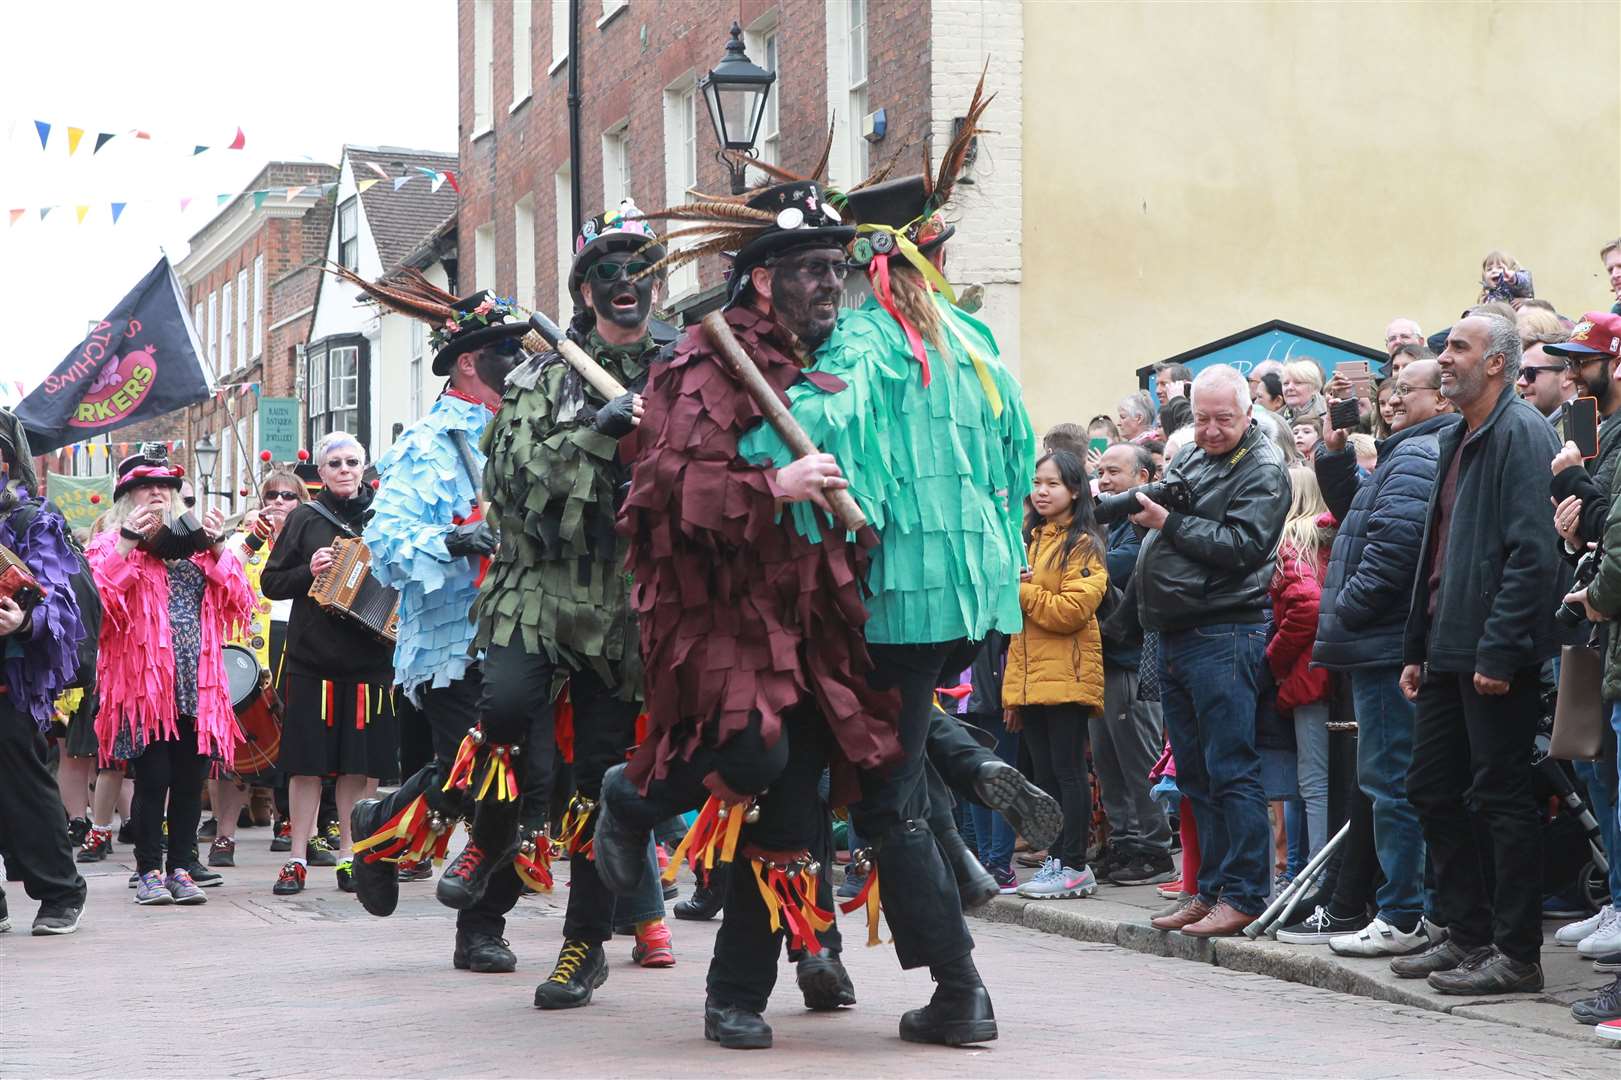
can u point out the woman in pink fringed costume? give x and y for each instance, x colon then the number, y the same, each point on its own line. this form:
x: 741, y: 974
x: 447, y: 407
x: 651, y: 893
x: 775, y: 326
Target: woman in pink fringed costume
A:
x: 171, y: 596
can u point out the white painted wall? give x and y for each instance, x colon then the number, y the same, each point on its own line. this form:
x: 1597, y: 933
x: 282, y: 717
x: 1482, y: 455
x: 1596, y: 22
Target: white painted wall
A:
x: 989, y: 215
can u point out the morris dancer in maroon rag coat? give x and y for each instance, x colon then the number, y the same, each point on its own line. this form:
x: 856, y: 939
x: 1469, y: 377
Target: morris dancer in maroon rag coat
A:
x: 751, y: 634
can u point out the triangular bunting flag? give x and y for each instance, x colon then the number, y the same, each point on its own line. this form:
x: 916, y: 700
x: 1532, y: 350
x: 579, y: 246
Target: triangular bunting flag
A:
x: 399, y: 182
x: 424, y: 170
x: 197, y: 150
x: 239, y: 142
x: 45, y: 210
x: 44, y: 130
x: 223, y: 198
x: 259, y: 198
x: 139, y: 134
x: 293, y: 193
x: 450, y: 178
x: 378, y: 169
x: 185, y: 201
x: 329, y: 188
x: 79, y: 212
x: 366, y: 184
x: 101, y: 140
x: 118, y: 208
x: 74, y: 135
x: 438, y: 182
x: 15, y: 214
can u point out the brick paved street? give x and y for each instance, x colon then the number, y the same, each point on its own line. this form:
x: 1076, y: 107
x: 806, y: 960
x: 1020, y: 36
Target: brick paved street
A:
x: 253, y: 985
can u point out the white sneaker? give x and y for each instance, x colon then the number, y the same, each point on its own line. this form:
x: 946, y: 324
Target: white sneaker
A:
x: 1607, y: 937
x: 1379, y: 938
x: 1055, y: 881
x: 1574, y: 932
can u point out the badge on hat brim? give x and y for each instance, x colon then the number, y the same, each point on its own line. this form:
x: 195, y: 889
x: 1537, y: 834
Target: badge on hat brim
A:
x: 791, y: 218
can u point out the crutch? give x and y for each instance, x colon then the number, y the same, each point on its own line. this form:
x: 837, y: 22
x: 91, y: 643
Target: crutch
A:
x: 1278, y: 911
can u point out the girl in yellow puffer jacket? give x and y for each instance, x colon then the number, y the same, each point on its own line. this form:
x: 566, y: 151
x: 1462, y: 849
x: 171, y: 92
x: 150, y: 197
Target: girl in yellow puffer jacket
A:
x: 1054, y: 676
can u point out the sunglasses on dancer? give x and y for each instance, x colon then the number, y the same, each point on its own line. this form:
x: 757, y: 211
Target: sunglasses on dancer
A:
x: 344, y: 462
x: 281, y: 496
x: 605, y: 272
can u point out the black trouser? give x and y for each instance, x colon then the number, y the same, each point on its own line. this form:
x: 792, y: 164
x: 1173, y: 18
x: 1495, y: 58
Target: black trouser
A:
x: 170, y: 772
x: 1057, y: 737
x: 1358, y: 876
x: 793, y: 818
x: 33, y: 825
x: 447, y: 712
x: 894, y: 813
x: 517, y: 707
x: 1470, y: 782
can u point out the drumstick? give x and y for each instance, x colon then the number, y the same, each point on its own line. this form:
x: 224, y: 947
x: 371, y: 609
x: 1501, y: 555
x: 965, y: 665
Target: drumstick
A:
x: 731, y: 351
x: 547, y: 334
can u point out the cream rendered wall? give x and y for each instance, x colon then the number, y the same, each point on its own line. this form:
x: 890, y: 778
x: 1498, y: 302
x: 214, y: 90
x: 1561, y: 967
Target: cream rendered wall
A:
x: 1194, y: 169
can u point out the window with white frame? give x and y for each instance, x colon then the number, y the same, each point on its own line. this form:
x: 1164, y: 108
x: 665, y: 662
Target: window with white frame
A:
x: 213, y: 331
x: 197, y: 323
x: 615, y: 165
x: 258, y: 306
x: 611, y: 8
x: 522, y: 52
x: 559, y: 32
x: 681, y: 161
x: 858, y: 88
x: 847, y: 97
x: 419, y: 354
x: 523, y: 249
x: 563, y: 213
x: 343, y: 389
x: 349, y: 233
x: 762, y: 47
x: 244, y: 347
x: 484, y: 256
x: 317, y: 387
x: 227, y: 361
x: 483, y: 65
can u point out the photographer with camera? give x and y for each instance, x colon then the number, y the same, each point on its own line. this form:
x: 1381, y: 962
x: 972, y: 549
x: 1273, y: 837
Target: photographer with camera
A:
x: 1360, y: 629
x: 1202, y: 581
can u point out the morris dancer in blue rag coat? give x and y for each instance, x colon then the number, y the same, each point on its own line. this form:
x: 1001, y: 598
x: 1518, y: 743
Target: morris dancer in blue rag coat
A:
x: 428, y: 541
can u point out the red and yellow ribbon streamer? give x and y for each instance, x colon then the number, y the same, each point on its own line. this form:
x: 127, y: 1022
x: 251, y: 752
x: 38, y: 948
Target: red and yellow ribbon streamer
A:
x: 576, y: 824
x: 407, y: 836
x: 791, y: 901
x: 461, y: 770
x: 500, y: 775
x: 535, y: 866
x: 712, y: 840
x: 868, y: 898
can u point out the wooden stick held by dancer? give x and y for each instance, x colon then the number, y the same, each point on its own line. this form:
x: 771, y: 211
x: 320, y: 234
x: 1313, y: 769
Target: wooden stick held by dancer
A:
x: 776, y: 413
x: 548, y: 334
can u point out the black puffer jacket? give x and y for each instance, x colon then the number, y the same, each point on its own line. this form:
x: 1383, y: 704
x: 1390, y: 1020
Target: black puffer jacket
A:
x: 1369, y: 580
x: 1213, y: 564
x: 1495, y: 611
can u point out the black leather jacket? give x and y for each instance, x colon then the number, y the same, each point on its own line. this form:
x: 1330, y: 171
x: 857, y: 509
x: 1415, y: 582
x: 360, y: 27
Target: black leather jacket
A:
x: 1213, y: 564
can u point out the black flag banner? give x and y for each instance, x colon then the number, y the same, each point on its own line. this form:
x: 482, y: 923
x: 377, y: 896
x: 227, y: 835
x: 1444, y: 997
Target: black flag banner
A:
x: 141, y: 361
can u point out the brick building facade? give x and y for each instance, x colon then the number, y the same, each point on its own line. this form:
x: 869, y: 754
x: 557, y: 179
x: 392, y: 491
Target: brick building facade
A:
x: 644, y: 127
x: 251, y: 277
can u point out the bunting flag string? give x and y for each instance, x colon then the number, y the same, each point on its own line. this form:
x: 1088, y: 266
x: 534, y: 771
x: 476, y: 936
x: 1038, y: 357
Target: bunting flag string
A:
x: 44, y: 128
x: 436, y: 179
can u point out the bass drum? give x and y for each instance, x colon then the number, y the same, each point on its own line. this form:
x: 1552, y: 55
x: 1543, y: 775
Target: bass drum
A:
x: 258, y: 712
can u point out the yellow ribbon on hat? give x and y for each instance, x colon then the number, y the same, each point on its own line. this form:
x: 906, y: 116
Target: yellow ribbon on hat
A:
x: 938, y: 283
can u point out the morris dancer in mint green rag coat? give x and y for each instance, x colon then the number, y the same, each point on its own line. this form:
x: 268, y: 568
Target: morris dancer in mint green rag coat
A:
x: 935, y: 441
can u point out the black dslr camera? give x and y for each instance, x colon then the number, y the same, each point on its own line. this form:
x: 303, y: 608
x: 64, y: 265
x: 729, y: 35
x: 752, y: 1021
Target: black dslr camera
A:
x: 1573, y: 615
x: 1173, y: 493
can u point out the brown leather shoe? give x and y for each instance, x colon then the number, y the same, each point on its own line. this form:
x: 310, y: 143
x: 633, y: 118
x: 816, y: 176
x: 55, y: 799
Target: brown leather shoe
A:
x: 1192, y: 910
x: 1224, y: 920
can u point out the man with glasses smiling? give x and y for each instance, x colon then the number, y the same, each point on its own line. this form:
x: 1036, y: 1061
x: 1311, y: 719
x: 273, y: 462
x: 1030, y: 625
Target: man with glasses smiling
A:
x: 1545, y: 380
x: 1360, y: 627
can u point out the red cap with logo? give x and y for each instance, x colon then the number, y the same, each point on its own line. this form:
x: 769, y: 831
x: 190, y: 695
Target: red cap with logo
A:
x: 1598, y: 334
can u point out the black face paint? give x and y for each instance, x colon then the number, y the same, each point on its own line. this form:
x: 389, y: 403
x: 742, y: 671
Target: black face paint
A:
x: 492, y: 364
x: 626, y: 304
x: 807, y: 303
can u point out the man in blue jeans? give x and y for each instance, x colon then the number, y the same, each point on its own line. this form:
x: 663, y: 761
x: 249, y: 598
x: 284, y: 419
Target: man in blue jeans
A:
x: 1201, y: 582
x: 1360, y: 629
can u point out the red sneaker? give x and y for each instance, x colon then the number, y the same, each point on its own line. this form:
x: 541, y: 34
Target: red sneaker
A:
x: 1610, y: 1029
x: 653, y: 947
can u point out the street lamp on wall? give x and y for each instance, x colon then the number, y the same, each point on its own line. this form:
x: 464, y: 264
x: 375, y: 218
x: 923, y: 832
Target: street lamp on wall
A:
x: 207, y: 453
x: 735, y: 92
